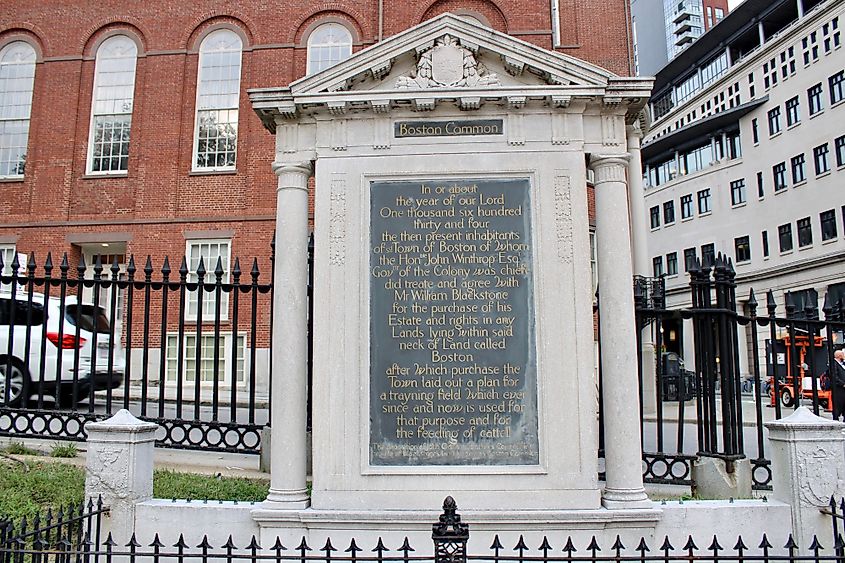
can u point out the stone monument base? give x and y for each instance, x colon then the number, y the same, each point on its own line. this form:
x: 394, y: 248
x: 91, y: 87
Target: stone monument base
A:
x: 394, y: 526
x: 714, y: 479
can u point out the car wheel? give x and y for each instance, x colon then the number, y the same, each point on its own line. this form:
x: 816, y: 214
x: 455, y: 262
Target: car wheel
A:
x: 786, y: 397
x: 17, y: 376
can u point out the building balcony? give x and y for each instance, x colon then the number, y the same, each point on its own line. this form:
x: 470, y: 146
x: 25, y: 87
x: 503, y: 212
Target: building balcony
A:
x: 682, y: 15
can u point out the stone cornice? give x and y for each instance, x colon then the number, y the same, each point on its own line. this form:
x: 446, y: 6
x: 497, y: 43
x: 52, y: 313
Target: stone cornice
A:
x: 278, y: 104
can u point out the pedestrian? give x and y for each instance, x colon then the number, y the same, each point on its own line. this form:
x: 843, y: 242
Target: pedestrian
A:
x: 837, y: 377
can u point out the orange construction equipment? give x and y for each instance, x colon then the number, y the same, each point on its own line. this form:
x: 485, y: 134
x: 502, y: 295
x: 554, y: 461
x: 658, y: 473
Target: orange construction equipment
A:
x: 786, y: 388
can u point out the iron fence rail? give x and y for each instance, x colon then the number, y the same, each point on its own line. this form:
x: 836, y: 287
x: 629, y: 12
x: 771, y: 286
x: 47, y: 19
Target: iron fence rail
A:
x: 188, y: 350
x: 75, y: 536
x: 718, y: 322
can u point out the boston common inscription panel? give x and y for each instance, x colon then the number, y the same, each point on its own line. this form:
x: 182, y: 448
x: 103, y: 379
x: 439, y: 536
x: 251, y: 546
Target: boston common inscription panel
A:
x: 453, y: 376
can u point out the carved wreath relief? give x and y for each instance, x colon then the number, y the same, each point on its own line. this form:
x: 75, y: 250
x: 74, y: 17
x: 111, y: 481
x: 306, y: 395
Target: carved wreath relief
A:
x: 448, y: 64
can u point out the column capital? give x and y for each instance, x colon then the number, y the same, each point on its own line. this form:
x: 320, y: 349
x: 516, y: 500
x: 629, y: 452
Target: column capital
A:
x: 609, y: 168
x: 293, y: 175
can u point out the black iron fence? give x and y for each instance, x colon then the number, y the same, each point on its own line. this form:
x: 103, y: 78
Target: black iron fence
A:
x: 700, y: 409
x: 75, y: 536
x: 188, y: 349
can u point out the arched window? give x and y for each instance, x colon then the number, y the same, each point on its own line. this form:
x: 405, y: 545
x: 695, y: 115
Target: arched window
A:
x: 218, y: 95
x: 17, y: 74
x: 111, y: 108
x: 328, y: 44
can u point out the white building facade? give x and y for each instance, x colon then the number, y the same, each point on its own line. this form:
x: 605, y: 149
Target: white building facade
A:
x: 746, y: 156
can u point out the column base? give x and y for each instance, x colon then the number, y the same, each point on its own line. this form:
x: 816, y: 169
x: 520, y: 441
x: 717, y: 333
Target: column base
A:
x: 286, y: 499
x: 620, y: 499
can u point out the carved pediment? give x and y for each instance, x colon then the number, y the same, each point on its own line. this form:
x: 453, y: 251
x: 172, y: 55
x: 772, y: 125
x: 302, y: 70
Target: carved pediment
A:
x: 451, y: 60
x: 451, y: 52
x: 448, y: 64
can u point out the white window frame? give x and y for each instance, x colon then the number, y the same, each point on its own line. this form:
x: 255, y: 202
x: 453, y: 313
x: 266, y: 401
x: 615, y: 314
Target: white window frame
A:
x: 172, y: 349
x: 204, y: 50
x: 28, y: 59
x: 311, y: 46
x: 8, y: 253
x: 192, y: 297
x: 102, y: 55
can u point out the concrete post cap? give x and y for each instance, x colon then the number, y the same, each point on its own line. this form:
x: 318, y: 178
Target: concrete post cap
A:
x: 804, y: 419
x: 121, y: 421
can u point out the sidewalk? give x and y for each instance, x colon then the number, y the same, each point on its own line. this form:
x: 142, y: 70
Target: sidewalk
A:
x: 749, y: 411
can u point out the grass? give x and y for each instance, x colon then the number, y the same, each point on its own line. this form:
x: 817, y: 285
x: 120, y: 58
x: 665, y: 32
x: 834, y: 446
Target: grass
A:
x: 170, y: 484
x: 27, y: 489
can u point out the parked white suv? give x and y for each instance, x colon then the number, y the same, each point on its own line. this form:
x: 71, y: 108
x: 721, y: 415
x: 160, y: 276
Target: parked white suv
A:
x: 65, y: 337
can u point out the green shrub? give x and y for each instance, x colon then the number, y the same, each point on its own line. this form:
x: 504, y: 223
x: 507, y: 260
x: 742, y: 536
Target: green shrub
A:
x: 64, y: 450
x: 18, y: 448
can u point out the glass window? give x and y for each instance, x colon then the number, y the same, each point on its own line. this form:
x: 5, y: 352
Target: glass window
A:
x: 208, y: 368
x: 774, y: 120
x: 657, y: 266
x: 209, y: 251
x: 669, y: 212
x: 765, y: 244
x: 328, y: 44
x: 799, y: 173
x: 760, y: 192
x: 820, y: 159
x: 686, y: 206
x: 828, y: 224
x: 814, y: 99
x: 737, y: 192
x: 704, y: 201
x: 17, y: 75
x: 785, y: 237
x: 742, y: 248
x: 805, y: 232
x: 218, y: 99
x: 755, y: 132
x: 672, y: 264
x: 689, y: 258
x: 708, y: 255
x: 654, y: 212
x: 792, y: 111
x: 779, y: 176
x: 839, y: 146
x: 837, y: 87
x: 111, y: 106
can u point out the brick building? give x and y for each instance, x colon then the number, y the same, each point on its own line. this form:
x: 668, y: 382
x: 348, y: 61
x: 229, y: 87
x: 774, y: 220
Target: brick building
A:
x: 126, y: 129
x: 160, y: 163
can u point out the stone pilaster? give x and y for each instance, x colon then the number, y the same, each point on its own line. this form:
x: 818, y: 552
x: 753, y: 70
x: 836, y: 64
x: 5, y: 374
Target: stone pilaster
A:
x: 641, y: 262
x: 288, y: 464
x: 623, y: 456
x: 119, y: 468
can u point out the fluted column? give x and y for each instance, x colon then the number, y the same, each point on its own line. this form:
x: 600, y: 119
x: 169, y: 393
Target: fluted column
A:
x: 623, y: 457
x: 288, y: 460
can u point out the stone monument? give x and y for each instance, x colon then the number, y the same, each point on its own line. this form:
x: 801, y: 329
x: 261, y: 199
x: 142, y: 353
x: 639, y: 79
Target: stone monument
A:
x: 453, y: 307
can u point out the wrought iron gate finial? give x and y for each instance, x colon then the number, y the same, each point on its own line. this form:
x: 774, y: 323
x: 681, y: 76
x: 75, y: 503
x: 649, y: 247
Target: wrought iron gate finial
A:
x: 450, y: 535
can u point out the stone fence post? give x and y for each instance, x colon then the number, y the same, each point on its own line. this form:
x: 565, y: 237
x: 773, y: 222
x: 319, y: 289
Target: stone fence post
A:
x: 119, y: 467
x: 808, y: 466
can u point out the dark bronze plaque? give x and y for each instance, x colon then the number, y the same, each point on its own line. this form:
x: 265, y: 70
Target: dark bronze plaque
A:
x: 457, y: 128
x: 453, y: 376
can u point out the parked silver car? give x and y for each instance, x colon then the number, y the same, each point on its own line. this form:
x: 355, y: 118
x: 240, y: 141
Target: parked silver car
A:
x: 72, y: 338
